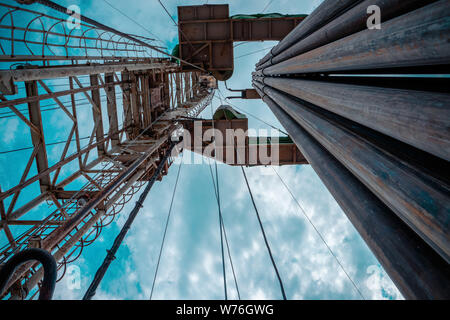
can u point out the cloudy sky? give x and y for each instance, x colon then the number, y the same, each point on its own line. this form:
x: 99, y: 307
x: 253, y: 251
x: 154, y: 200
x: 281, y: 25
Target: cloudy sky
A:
x: 191, y: 265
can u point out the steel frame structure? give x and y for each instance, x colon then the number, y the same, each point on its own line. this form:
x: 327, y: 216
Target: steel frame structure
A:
x: 47, y: 38
x: 114, y: 76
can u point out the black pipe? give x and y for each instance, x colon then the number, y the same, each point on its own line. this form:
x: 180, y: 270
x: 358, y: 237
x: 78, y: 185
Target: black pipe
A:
x: 417, y: 198
x: 414, y: 267
x: 418, y: 38
x: 352, y: 21
x: 419, y: 118
x: 48, y: 263
x: 326, y: 12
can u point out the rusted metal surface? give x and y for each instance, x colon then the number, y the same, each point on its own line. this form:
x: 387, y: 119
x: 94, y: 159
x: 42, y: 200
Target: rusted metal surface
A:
x: 97, y: 113
x: 419, y: 118
x: 58, y: 235
x: 263, y: 29
x: 326, y: 12
x: 207, y: 33
x: 418, y: 199
x: 401, y: 42
x: 79, y: 216
x: 31, y: 73
x: 245, y: 94
x: 112, y: 110
x: 38, y: 137
x: 94, y: 39
x: 42, y: 34
x: 416, y: 269
x: 352, y: 21
x: 236, y: 148
x: 65, y: 232
x: 378, y: 138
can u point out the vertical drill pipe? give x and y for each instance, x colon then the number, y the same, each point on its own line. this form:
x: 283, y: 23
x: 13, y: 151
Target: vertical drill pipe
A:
x: 398, y: 249
x: 419, y: 118
x: 417, y: 198
x: 324, y: 13
x: 418, y: 38
x: 350, y: 22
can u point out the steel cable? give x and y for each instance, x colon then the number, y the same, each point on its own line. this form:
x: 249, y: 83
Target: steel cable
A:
x: 165, y: 230
x: 264, y: 236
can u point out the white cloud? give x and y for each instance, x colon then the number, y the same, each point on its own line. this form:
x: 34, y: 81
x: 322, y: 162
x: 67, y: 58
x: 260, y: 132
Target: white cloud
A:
x: 380, y: 285
x: 9, y: 130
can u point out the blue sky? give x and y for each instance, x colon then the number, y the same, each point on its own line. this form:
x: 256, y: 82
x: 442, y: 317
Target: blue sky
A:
x: 191, y: 266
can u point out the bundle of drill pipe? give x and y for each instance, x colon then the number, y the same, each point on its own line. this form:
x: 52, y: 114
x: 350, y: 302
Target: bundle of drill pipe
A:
x: 368, y: 107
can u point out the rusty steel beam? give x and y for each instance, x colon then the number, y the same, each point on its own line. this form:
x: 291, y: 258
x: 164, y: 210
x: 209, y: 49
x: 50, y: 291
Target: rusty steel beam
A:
x: 147, y: 107
x: 418, y: 38
x: 419, y: 118
x: 415, y: 268
x: 13, y: 190
x: 61, y: 252
x: 62, y: 231
x: 247, y: 152
x: 112, y: 110
x: 97, y: 114
x: 8, y: 77
x: 31, y: 99
x: 74, y: 112
x: 206, y: 34
x: 177, y: 89
x: 126, y: 102
x: 245, y: 94
x: 38, y: 141
x: 56, y: 236
x: 420, y: 200
x: 135, y: 104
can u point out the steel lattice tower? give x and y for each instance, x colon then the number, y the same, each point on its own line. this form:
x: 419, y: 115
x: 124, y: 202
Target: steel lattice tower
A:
x: 107, y: 71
